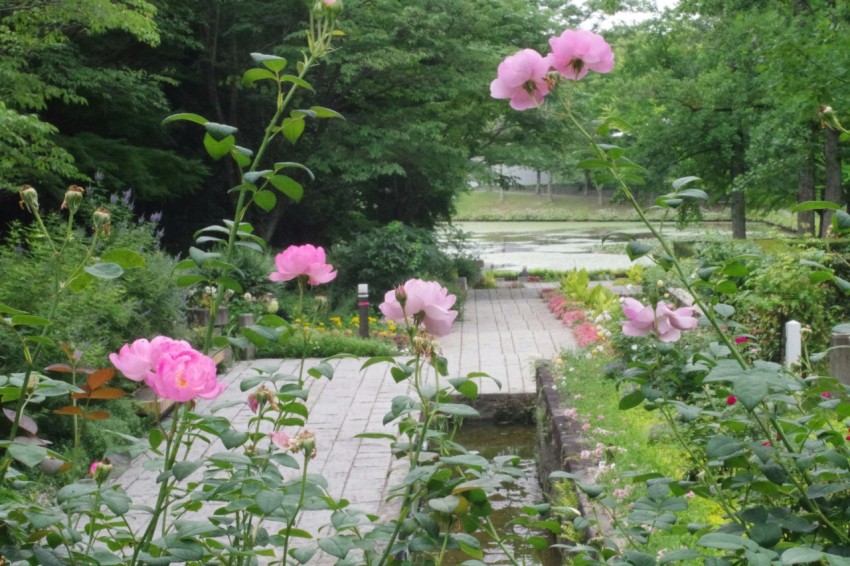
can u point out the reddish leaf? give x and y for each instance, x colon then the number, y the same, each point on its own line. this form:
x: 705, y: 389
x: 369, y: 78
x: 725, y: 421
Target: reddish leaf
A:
x: 96, y: 416
x: 25, y: 423
x: 107, y: 393
x: 69, y: 410
x: 99, y: 377
x: 80, y: 395
x: 87, y: 371
x: 64, y: 368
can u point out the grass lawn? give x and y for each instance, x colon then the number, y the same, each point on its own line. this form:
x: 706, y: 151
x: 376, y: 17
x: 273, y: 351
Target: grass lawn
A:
x: 489, y: 205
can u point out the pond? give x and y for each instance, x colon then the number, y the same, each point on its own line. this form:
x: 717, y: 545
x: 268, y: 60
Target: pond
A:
x: 562, y: 246
x: 490, y: 440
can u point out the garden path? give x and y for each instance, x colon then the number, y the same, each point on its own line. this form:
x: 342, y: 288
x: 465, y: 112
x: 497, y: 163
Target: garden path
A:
x: 502, y: 332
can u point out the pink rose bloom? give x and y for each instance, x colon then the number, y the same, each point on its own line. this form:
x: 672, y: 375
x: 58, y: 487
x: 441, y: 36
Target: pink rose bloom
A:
x: 138, y: 361
x: 183, y: 374
x: 427, y: 303
x: 670, y: 323
x: 575, y: 52
x: 522, y: 78
x: 640, y: 319
x: 93, y: 467
x: 303, y: 261
x: 282, y: 440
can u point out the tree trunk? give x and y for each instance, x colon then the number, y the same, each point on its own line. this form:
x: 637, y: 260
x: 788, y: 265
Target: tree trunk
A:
x: 832, y: 176
x: 586, y: 181
x: 737, y: 202
x: 806, y: 190
x: 538, y: 182
x: 549, y: 188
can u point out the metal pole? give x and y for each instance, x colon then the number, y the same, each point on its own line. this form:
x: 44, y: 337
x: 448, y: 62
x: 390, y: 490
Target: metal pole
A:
x: 363, y: 306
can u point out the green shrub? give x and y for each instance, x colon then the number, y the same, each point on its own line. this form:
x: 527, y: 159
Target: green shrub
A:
x: 386, y: 257
x: 321, y: 345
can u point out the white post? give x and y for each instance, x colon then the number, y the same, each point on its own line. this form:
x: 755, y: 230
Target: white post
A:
x: 793, y: 343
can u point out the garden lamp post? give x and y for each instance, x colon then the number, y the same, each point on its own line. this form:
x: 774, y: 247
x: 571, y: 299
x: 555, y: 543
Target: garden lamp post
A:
x: 363, y: 306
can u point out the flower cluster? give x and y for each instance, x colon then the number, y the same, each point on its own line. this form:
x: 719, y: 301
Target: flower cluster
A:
x: 663, y: 321
x: 305, y: 262
x: 424, y: 303
x: 527, y: 76
x: 171, y: 368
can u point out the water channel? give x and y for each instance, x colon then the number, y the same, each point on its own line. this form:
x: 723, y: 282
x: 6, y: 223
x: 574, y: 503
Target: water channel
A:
x: 490, y: 440
x: 562, y: 246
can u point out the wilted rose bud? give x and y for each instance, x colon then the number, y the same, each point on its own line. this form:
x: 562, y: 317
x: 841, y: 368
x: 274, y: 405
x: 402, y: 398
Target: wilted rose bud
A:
x: 424, y: 345
x: 306, y: 441
x: 73, y: 198
x: 29, y: 198
x: 102, y: 220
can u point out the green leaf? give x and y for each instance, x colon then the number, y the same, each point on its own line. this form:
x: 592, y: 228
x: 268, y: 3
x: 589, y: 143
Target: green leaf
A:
x: 766, y: 534
x: 233, y: 438
x: 265, y: 200
x: 322, y: 112
x: 815, y: 205
x: 6, y: 309
x: 253, y: 75
x: 636, y: 249
x: 29, y: 320
x: 291, y: 164
x: 724, y: 310
x: 727, y: 287
x: 190, y: 528
x: 840, y: 222
x: 292, y: 128
x: 127, y: 259
x: 296, y: 81
x: 184, y: 469
x: 29, y: 455
x: 218, y: 148
x: 679, y: 556
x: 288, y: 186
x: 155, y: 437
x: 693, y: 193
x: 117, y: 501
x: 818, y: 490
x: 220, y: 132
x: 81, y: 488
x: 631, y: 400
x: 196, y: 118
x: 107, y: 270
x: 750, y: 391
x: 268, y: 501
x: 228, y: 283
x: 723, y: 447
x: 338, y: 546
x: 724, y: 541
x: 189, y: 279
x: 444, y: 504
x: 801, y: 555
x: 105, y: 558
x: 272, y: 62
x: 682, y: 181
x: 302, y: 555
x: 456, y: 410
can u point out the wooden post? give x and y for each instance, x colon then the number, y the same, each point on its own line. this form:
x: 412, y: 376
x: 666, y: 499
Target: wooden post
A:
x: 247, y: 319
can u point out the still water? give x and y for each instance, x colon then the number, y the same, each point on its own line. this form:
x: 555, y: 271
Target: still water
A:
x: 562, y: 246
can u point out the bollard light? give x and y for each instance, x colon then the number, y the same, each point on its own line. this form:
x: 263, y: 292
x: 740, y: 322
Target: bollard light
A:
x: 363, y: 307
x: 793, y: 342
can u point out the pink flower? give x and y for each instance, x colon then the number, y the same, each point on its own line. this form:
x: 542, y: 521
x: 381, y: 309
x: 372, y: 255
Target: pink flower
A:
x: 731, y: 400
x: 741, y: 339
x: 640, y: 319
x: 282, y: 440
x: 575, y: 52
x: 826, y: 395
x: 253, y: 403
x: 137, y: 361
x: 669, y: 323
x: 303, y: 261
x: 522, y: 78
x: 690, y: 495
x: 93, y: 467
x: 427, y: 303
x: 182, y: 374
x: 172, y: 368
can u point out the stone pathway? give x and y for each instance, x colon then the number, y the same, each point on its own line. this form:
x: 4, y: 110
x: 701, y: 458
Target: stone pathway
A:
x: 502, y: 333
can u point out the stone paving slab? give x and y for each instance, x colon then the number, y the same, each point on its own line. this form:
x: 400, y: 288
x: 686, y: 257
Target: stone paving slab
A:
x: 502, y: 332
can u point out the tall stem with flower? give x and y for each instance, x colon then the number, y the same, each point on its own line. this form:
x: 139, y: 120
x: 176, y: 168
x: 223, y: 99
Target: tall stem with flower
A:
x: 764, y: 390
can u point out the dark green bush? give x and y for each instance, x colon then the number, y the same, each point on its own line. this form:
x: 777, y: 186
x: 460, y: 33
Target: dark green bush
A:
x: 386, y: 257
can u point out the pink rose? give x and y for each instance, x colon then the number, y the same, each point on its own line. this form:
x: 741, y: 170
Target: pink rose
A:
x: 522, y: 77
x: 427, y: 303
x: 282, y: 440
x: 575, y: 52
x: 669, y: 323
x: 303, y: 261
x: 93, y: 467
x: 172, y: 368
x: 640, y: 319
